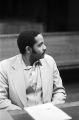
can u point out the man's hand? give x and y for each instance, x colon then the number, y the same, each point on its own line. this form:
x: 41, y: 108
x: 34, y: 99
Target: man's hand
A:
x: 13, y: 107
x: 55, y: 102
x: 59, y: 98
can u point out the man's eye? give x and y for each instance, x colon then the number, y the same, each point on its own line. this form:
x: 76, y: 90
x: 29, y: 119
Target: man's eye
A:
x: 39, y: 45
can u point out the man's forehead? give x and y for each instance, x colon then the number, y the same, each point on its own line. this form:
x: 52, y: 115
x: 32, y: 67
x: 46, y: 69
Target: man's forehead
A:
x: 39, y: 38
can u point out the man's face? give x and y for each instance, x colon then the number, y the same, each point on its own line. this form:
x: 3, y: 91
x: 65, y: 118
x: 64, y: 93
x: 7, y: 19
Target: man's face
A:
x: 39, y: 48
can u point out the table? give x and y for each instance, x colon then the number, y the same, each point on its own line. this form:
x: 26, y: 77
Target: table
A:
x: 71, y: 109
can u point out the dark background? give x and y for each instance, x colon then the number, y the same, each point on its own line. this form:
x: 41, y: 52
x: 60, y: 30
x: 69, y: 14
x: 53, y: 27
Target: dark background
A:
x: 56, y: 15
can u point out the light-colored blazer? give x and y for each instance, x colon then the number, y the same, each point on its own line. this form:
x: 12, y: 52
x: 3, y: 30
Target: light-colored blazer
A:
x: 12, y: 86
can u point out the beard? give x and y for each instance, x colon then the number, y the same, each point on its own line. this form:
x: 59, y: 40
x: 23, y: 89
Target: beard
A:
x: 36, y: 56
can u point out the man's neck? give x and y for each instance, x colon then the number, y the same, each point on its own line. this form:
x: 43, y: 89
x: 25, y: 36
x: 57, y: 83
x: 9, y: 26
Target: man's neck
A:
x: 26, y: 60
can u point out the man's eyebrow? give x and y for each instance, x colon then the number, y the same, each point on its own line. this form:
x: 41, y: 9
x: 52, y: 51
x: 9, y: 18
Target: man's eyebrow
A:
x: 40, y: 43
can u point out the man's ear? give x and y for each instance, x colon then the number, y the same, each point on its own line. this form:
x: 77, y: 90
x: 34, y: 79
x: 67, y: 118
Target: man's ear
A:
x: 28, y: 49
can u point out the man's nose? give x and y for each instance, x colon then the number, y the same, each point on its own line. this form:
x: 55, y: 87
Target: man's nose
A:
x: 45, y: 47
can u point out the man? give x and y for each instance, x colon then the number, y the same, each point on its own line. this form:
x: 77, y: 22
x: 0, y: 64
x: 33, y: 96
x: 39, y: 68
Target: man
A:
x: 31, y: 77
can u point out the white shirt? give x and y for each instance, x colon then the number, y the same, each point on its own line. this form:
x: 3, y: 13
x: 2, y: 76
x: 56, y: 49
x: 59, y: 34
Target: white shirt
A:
x: 33, y: 83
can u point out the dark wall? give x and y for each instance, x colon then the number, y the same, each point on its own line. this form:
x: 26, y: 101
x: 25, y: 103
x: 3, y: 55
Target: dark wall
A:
x: 70, y: 76
x: 23, y: 9
x: 56, y: 15
x: 73, y: 15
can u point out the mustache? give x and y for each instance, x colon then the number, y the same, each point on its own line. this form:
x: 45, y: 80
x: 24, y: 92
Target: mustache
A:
x: 44, y: 52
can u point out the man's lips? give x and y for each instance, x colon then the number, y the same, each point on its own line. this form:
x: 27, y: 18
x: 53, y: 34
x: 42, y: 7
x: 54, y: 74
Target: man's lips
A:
x: 43, y: 53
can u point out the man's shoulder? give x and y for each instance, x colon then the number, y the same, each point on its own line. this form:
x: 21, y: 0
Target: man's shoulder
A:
x: 48, y: 57
x: 48, y: 60
x: 9, y: 61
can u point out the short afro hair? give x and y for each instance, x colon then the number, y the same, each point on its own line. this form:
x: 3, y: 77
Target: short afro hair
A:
x: 26, y: 38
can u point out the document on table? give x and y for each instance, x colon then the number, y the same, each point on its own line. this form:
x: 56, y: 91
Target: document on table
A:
x: 47, y: 112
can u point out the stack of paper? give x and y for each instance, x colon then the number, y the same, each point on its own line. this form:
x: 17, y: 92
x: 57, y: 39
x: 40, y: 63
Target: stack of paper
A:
x: 47, y: 112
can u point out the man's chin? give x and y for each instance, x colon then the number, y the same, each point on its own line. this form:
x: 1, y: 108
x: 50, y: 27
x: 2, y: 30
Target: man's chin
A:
x: 42, y: 56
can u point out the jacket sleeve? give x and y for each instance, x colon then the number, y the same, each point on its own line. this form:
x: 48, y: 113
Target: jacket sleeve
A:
x: 59, y: 94
x: 5, y: 102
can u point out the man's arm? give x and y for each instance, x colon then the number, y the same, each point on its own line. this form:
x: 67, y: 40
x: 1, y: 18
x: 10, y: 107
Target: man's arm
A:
x: 59, y: 94
x: 5, y: 102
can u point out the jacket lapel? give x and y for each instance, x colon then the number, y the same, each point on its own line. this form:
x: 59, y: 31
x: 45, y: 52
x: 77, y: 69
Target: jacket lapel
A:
x: 18, y: 80
x: 47, y: 81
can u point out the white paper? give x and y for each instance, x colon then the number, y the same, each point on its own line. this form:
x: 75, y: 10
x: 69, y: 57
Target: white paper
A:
x: 47, y: 112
